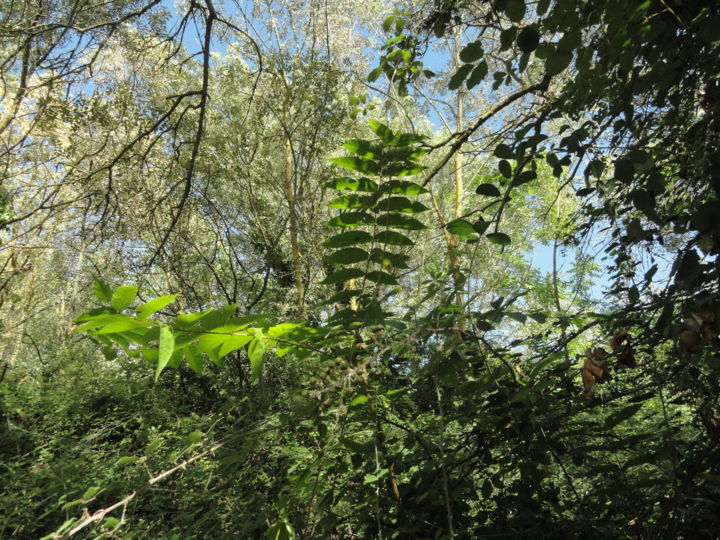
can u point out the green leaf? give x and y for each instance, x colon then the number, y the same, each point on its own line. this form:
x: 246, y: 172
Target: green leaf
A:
x: 94, y: 314
x: 224, y: 340
x: 400, y: 204
x: 218, y: 317
x: 404, y: 139
x: 387, y: 23
x: 471, y: 52
x: 375, y: 74
x: 352, y: 184
x: 280, y: 530
x: 515, y: 10
x: 517, y: 316
x: 385, y: 258
x: 524, y: 177
x: 464, y: 229
x: 358, y: 164
x: 382, y: 278
x: 481, y: 226
x: 123, y: 297
x: 102, y: 291
x: 499, y: 238
x: 404, y: 168
x: 595, y: 168
x: 399, y: 221
x: 91, y: 492
x: 193, y: 359
x: 528, y: 39
x: 459, y: 77
x: 346, y: 239
x: 122, y: 325
x: 349, y: 255
x: 340, y: 276
x: 345, y: 202
x: 382, y: 131
x: 256, y: 354
x: 570, y: 41
x: 505, y: 168
x: 341, y: 297
x: 623, y: 414
x: 125, y: 460
x: 545, y: 362
x: 538, y: 316
x: 488, y: 190
x: 351, y: 219
x: 393, y: 238
x: 503, y: 151
x: 557, y: 62
x: 165, y: 350
x: 154, y: 305
x: 507, y: 37
x: 477, y: 75
x: 358, y: 401
x: 624, y: 169
x: 402, y: 187
x: 399, y: 55
x: 364, y: 149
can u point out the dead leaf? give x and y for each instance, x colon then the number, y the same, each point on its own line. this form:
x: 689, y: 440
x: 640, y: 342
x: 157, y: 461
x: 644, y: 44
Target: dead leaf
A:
x: 689, y: 342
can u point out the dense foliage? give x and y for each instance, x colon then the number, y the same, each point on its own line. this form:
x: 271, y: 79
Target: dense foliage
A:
x: 264, y: 281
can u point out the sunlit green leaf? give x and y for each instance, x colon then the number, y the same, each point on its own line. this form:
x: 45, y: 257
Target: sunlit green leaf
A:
x: 256, y: 354
x: 123, y: 297
x: 351, y: 219
x: 194, y: 359
x: 463, y: 229
x: 102, y: 291
x: 154, y: 305
x: 345, y: 202
x: 393, y: 238
x: 165, y: 350
x: 363, y: 166
x: 349, y: 238
x: 381, y: 130
x: 352, y: 184
x: 400, y: 204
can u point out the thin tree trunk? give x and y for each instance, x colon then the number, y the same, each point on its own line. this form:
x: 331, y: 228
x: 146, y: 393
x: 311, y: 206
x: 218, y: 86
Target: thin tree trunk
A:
x: 292, y: 205
x: 453, y: 242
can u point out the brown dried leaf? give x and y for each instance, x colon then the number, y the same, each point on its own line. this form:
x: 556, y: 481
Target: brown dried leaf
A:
x: 689, y: 342
x: 588, y: 383
x: 618, y: 339
x: 627, y: 357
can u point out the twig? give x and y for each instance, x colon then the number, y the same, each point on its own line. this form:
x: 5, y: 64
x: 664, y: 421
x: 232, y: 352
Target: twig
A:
x: 462, y: 137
